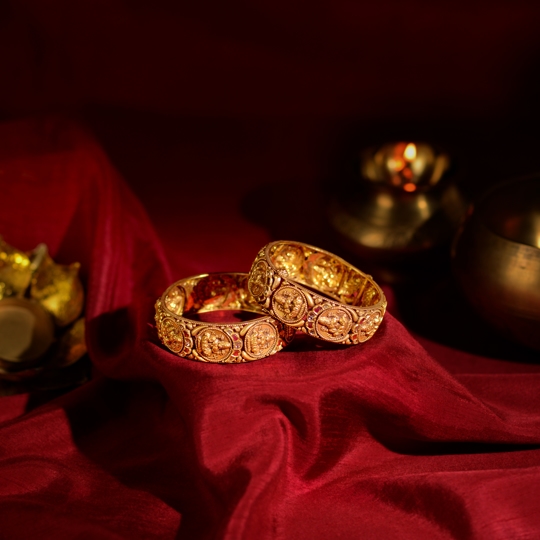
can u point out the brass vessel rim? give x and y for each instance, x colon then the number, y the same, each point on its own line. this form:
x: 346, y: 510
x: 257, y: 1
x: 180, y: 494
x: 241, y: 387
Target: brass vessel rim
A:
x: 497, y: 196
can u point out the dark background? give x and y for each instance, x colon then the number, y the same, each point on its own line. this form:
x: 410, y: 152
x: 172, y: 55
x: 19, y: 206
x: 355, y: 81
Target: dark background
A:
x: 289, y: 81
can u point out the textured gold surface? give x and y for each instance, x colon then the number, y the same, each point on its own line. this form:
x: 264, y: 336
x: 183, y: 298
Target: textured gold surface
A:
x: 316, y: 292
x: 231, y: 342
x: 58, y: 289
x: 333, y: 324
x: 289, y: 304
x: 15, y: 271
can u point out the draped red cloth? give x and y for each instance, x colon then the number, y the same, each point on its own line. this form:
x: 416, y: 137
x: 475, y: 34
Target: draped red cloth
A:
x: 371, y: 441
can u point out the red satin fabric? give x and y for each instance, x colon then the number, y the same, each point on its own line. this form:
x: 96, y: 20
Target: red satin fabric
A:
x: 372, y: 441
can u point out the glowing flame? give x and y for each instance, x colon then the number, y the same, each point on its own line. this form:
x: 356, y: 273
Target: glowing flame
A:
x: 410, y: 152
x: 409, y: 186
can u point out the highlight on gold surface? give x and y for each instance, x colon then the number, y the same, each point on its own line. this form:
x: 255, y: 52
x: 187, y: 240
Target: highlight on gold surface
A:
x: 15, y: 270
x: 58, y: 289
x: 289, y: 304
x: 316, y: 292
x: 261, y: 339
x: 181, y: 331
x: 41, y: 329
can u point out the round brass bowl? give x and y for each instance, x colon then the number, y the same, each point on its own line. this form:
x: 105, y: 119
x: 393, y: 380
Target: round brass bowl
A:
x: 26, y: 332
x: 496, y: 259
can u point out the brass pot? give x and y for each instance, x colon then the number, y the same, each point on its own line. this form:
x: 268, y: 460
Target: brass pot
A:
x: 403, y: 207
x: 496, y: 259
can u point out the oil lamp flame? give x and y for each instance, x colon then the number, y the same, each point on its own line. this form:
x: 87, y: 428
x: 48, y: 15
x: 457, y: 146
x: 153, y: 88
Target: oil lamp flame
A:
x: 410, y: 152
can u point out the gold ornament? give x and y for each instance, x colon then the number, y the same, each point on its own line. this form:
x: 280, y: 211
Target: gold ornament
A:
x: 41, y: 328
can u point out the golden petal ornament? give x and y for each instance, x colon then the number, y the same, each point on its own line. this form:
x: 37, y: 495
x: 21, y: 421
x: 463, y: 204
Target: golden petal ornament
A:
x: 59, y: 290
x: 15, y: 270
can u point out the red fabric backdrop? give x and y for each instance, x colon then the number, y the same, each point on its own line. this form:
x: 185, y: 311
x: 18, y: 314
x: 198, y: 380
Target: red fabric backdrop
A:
x: 382, y: 440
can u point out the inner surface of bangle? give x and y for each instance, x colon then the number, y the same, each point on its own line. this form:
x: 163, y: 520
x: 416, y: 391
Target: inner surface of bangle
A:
x: 210, y: 293
x: 324, y: 273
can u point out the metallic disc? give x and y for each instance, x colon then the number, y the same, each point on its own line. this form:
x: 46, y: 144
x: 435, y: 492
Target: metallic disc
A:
x: 258, y: 280
x: 333, y: 324
x: 260, y: 340
x: 214, y: 345
x: 172, y: 335
x: 289, y: 304
x: 26, y: 332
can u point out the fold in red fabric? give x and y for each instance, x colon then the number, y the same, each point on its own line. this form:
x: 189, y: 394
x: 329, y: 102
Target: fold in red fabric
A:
x: 317, y: 441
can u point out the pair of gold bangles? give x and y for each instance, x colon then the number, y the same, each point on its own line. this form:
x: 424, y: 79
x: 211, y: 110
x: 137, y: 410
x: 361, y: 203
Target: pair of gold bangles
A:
x: 291, y: 287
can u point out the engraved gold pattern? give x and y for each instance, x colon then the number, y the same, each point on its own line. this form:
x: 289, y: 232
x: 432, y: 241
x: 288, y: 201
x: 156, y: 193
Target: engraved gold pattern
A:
x: 319, y: 293
x: 289, y: 305
x: 171, y: 334
x: 261, y: 339
x: 235, y: 342
x: 214, y: 345
x: 368, y: 324
x: 258, y: 280
x: 333, y: 324
x: 325, y: 272
x: 288, y: 260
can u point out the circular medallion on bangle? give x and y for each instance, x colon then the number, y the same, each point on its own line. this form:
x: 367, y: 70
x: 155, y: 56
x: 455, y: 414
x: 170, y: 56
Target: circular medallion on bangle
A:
x: 217, y: 342
x: 316, y: 292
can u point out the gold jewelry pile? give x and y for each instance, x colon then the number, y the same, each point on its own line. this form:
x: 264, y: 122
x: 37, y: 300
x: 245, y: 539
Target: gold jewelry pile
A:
x: 291, y: 287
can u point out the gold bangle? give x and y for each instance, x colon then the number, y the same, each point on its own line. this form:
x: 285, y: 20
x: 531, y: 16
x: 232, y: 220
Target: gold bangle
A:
x: 231, y: 342
x: 316, y: 292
